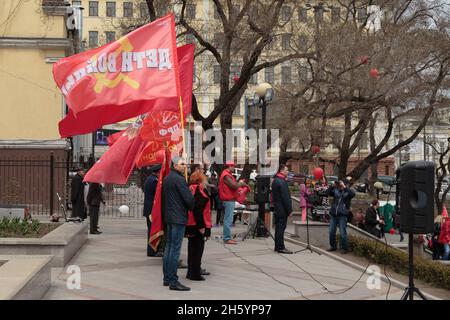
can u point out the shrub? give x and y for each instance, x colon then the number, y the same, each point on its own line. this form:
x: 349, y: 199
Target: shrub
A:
x: 430, y: 271
x: 17, y: 226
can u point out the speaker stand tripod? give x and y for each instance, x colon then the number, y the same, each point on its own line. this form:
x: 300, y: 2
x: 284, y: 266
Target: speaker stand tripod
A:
x: 411, y: 289
x: 308, y: 246
x: 258, y: 227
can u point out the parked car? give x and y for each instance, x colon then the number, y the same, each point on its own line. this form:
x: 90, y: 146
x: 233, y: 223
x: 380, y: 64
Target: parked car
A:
x: 331, y: 180
x: 388, y: 182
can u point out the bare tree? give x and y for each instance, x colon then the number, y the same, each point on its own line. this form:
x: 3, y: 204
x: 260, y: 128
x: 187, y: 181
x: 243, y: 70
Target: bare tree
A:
x: 361, y: 77
x: 442, y: 172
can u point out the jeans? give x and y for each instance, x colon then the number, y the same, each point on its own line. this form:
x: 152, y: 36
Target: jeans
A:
x: 227, y: 219
x: 174, y: 240
x: 342, y: 221
x: 280, y: 227
x: 446, y: 251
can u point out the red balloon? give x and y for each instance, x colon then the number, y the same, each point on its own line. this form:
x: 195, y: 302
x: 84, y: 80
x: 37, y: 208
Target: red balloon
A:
x: 160, y: 154
x: 235, y: 78
x: 318, y: 173
x: 374, y: 73
x: 392, y: 231
x: 315, y: 149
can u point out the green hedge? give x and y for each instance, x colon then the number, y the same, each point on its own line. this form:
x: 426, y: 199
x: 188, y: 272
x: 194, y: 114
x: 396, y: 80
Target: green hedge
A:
x: 430, y: 271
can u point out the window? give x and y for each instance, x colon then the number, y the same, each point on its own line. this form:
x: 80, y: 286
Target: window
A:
x: 269, y: 74
x: 362, y: 14
x: 216, y: 74
x: 363, y: 143
x: 286, y: 42
x: 270, y: 44
x: 236, y: 9
x: 235, y: 71
x: 286, y: 75
x: 303, y: 15
x: 253, y: 79
x: 93, y: 39
x: 237, y: 110
x: 128, y: 9
x: 285, y: 13
x: 190, y: 11
x: 303, y: 42
x: 386, y: 170
x: 110, y: 36
x: 318, y: 15
x: 143, y: 10
x: 253, y: 12
x: 110, y: 9
x: 335, y: 14
x: 93, y: 8
x: 190, y: 38
x: 303, y: 73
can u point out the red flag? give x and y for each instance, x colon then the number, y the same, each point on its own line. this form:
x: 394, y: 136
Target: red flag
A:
x: 116, y: 165
x: 156, y: 230
x: 117, y: 81
x: 88, y: 121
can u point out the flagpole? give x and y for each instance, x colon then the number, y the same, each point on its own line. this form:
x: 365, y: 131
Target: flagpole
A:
x: 183, y: 136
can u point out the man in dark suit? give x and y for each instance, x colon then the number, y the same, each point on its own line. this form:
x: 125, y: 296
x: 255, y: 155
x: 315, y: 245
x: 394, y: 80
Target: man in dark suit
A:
x: 150, y: 185
x: 77, y: 197
x: 94, y: 198
x: 281, y: 197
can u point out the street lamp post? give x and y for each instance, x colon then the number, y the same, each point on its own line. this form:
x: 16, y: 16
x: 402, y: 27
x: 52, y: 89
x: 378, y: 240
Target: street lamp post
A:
x: 263, y: 95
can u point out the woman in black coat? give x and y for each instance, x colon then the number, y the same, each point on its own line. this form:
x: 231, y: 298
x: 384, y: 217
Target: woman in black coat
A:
x: 372, y: 219
x: 198, y: 228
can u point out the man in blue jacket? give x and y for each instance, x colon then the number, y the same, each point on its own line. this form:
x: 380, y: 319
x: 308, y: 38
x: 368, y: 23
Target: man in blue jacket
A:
x: 177, y: 200
x: 149, y: 195
x: 342, y: 196
x: 281, y: 197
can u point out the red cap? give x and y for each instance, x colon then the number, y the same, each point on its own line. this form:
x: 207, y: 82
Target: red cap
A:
x: 230, y: 164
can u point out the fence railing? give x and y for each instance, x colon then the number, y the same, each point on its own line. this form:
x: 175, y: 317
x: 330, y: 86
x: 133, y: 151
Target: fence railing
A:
x: 34, y: 183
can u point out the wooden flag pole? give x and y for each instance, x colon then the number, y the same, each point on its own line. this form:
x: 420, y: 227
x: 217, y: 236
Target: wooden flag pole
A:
x: 183, y: 137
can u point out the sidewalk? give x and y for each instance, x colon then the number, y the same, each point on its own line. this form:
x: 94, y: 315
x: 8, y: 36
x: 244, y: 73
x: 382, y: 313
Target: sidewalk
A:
x: 114, y: 265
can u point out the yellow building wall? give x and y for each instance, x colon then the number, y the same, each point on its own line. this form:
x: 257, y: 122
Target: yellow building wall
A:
x: 24, y: 18
x: 31, y: 104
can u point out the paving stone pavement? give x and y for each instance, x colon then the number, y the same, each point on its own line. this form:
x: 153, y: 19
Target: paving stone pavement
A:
x: 114, y: 265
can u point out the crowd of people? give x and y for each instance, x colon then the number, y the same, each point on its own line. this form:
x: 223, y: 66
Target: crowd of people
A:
x: 187, y: 207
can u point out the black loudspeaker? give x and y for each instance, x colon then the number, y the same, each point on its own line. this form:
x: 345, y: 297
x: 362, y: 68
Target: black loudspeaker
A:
x: 416, y: 187
x: 262, y: 192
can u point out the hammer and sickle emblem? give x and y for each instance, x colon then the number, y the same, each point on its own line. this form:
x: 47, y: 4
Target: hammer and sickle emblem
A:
x: 102, y: 81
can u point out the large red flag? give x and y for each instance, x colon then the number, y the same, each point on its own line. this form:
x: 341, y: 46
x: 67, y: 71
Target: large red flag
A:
x: 156, y: 230
x: 116, y: 164
x: 164, y: 123
x: 117, y: 81
x: 85, y: 122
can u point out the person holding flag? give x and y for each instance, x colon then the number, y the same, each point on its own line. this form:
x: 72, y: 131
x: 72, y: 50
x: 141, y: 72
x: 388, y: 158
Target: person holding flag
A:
x: 177, y: 200
x: 150, y: 186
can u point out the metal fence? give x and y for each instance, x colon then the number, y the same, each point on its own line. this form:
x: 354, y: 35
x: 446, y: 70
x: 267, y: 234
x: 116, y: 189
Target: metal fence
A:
x: 34, y: 183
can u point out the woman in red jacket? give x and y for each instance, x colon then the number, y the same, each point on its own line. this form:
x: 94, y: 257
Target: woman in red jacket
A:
x: 444, y: 237
x: 198, y: 228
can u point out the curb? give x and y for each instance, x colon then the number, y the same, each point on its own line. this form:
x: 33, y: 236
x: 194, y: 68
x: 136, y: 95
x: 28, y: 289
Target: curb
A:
x: 395, y: 283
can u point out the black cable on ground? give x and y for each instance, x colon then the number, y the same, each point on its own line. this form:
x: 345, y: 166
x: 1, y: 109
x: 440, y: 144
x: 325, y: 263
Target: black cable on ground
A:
x: 341, y: 291
x: 261, y: 270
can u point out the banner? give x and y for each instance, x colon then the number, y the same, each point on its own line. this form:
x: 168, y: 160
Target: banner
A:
x: 120, y: 80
